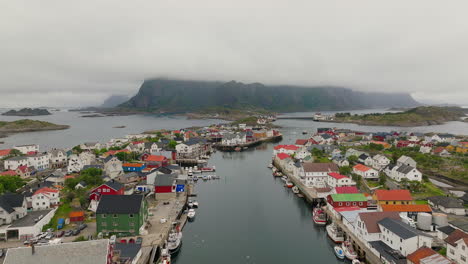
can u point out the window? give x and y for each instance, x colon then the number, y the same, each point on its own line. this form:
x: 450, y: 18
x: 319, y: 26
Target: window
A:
x: 340, y: 204
x: 130, y: 215
x: 354, y: 203
x: 360, y: 203
x: 347, y: 203
x: 401, y: 240
x: 104, y: 215
x: 131, y: 224
x: 115, y: 216
x: 452, y: 252
x: 463, y: 258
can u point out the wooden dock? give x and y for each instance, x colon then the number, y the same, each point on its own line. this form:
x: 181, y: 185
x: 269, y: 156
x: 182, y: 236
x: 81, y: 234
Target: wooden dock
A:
x: 230, y: 148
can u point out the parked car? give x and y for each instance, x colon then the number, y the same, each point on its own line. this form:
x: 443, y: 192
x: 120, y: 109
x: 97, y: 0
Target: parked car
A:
x: 50, y: 230
x: 75, y: 232
x: 82, y: 226
x: 60, y: 233
x: 68, y: 233
x: 42, y: 242
x: 49, y: 236
x: 139, y: 240
x: 113, y: 239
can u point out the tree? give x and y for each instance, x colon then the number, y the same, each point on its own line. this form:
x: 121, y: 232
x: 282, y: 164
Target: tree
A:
x: 345, y: 170
x: 353, y: 159
x: 15, y: 152
x: 91, y: 176
x: 10, y: 183
x: 382, y: 179
x: 172, y: 144
x: 77, y: 149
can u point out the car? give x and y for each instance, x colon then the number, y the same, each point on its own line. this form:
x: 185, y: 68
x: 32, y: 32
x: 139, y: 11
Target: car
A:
x: 82, y: 226
x: 42, y: 242
x: 49, y: 236
x: 76, y: 232
x: 113, y: 239
x: 50, y: 230
x: 139, y: 240
x: 68, y: 233
x: 60, y: 233
x: 41, y: 235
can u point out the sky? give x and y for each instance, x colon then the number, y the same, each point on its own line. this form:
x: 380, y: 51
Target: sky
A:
x: 77, y: 53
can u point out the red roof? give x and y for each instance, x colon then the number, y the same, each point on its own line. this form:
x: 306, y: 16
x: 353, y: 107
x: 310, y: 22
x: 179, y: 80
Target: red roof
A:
x: 282, y: 156
x: 346, y: 189
x: 137, y: 142
x: 4, y: 152
x: 8, y: 173
x: 439, y: 149
x: 312, y: 141
x: 393, y: 195
x: 76, y: 214
x: 301, y: 141
x: 288, y: 147
x: 336, y: 175
x: 155, y: 158
x: 133, y: 165
x: 23, y: 168
x: 45, y: 190
x: 361, y: 167
x: 113, y: 152
x: 419, y: 254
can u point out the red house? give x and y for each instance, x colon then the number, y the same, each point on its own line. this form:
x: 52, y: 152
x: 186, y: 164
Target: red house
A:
x: 347, y: 200
x: 109, y: 188
x: 77, y: 216
x: 156, y: 161
x: 402, y: 143
x: 165, y: 183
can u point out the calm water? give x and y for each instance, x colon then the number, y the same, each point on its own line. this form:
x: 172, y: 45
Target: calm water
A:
x: 247, y: 216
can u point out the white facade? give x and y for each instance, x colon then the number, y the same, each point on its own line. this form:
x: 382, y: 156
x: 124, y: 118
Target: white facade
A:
x: 57, y: 157
x: 39, y: 161
x: 234, y: 139
x: 412, y: 174
x: 15, y: 162
x: 113, y: 167
x: 406, y: 161
x: 360, y: 230
x: 25, y: 149
x: 405, y: 246
x: 90, y: 146
x: 302, y: 153
x: 75, y: 164
x: 334, y: 182
x: 380, y: 161
x: 8, y: 218
x: 87, y: 158
x: 368, y: 174
x: 425, y: 149
x: 315, y: 179
x: 458, y: 253
x: 44, y: 200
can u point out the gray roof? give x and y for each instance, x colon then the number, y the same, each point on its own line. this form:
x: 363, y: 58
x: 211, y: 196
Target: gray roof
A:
x: 446, y: 229
x: 85, y: 167
x: 108, y: 158
x: 388, y: 253
x: 165, y: 180
x: 28, y: 220
x: 127, y: 251
x: 114, y: 184
x: 10, y: 200
x: 55, y: 152
x: 120, y: 204
x: 17, y: 158
x: 447, y: 202
x: 399, y: 228
x: 405, y: 169
x: 86, y: 252
x: 460, y: 224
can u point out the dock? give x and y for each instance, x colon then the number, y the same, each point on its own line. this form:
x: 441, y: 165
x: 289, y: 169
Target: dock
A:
x: 250, y: 144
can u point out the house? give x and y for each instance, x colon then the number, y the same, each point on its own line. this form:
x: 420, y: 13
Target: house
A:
x: 127, y: 252
x: 13, y: 207
x: 288, y: 149
x: 87, y: 158
x: 365, y: 159
x: 282, y: 159
x: 426, y: 255
x: 112, y: 166
x: 39, y: 161
x: 457, y: 246
x: 137, y: 167
x: 316, y: 174
x: 366, y: 226
x: 405, y: 160
x: 338, y: 180
x: 301, y: 142
x: 347, y: 200
x: 352, y: 152
x: 129, y: 177
x: 190, y: 149
x: 121, y: 214
x: 392, y: 197
x: 165, y: 183
x: 441, y: 151
x: 411, y: 210
x: 76, y: 216
x: 57, y: 158
x: 380, y: 161
x: 14, y: 162
x: 425, y: 149
x: 92, y: 251
x: 231, y: 139
x: 153, y: 147
x: 346, y: 190
x: 4, y: 153
x: 75, y: 164
x: 111, y: 187
x: 156, y: 161
x: 402, y: 237
x: 301, y: 153
x: 80, y: 185
x: 444, y: 231
x: 403, y: 171
x: 90, y: 146
x: 24, y: 171
x: 447, y: 205
x: 27, y: 149
x: 45, y: 198
x: 365, y: 172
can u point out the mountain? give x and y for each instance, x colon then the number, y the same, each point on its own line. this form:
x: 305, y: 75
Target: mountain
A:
x: 184, y: 96
x: 114, y: 100
x: 27, y: 112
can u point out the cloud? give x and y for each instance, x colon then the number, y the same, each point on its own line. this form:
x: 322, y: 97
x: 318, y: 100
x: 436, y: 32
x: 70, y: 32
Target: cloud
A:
x: 78, y: 53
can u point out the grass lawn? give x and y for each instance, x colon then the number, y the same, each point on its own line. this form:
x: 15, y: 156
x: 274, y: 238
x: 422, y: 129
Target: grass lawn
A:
x: 373, y: 184
x: 421, y: 202
x: 430, y: 190
x: 62, y: 212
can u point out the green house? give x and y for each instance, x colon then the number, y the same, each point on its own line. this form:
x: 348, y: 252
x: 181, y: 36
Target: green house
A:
x: 122, y: 215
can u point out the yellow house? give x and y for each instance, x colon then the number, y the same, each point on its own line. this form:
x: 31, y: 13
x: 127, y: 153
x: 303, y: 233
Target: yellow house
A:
x: 450, y: 148
x: 393, y: 197
x: 462, y: 149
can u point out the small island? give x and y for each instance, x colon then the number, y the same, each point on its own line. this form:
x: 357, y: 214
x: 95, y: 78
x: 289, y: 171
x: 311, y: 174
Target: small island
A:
x: 419, y: 116
x: 27, y: 112
x: 28, y: 125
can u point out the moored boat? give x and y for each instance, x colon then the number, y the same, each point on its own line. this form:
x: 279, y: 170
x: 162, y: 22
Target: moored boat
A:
x: 339, y: 253
x: 319, y: 216
x: 165, y: 256
x: 284, y: 178
x: 349, y: 250
x: 355, y: 261
x: 174, y: 241
x: 335, y: 233
x: 195, y: 204
x: 289, y: 184
x: 270, y: 166
x: 304, y: 132
x: 191, y: 214
x: 295, y: 189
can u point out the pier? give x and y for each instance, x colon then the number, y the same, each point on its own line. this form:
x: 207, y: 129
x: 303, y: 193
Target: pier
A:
x: 248, y: 144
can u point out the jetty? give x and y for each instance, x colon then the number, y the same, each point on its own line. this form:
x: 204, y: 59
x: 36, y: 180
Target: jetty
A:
x: 250, y: 144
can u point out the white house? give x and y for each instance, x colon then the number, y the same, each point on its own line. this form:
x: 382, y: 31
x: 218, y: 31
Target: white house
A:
x: 288, y: 149
x: 57, y: 158
x: 425, y: 149
x: 186, y: 150
x: 316, y: 174
x: 365, y: 159
x: 399, y: 173
x: 15, y: 162
x: 405, y: 160
x: 340, y: 161
x: 301, y: 153
x: 12, y: 207
x: 45, y: 198
x: 366, y: 226
x: 402, y: 237
x: 231, y: 139
x: 353, y: 152
x: 449, y: 205
x: 113, y: 166
x: 152, y: 147
x: 457, y: 246
x: 25, y: 149
x: 39, y: 161
x: 87, y: 158
x: 75, y: 164
x: 365, y: 172
x: 380, y: 161
x: 338, y: 180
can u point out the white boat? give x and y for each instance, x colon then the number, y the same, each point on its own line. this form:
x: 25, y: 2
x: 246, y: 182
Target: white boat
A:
x: 355, y: 261
x: 174, y: 241
x: 284, y: 178
x: 304, y: 132
x: 195, y: 204
x: 190, y: 203
x: 349, y: 250
x: 190, y: 173
x: 339, y: 252
x: 289, y: 184
x: 319, y: 216
x: 165, y: 256
x: 191, y: 214
x: 335, y: 233
x: 270, y: 166
x: 295, y: 190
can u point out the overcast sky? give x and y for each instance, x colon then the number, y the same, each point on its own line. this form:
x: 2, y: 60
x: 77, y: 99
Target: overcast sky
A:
x: 70, y: 53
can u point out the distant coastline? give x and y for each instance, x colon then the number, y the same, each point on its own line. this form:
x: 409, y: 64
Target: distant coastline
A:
x: 27, y: 112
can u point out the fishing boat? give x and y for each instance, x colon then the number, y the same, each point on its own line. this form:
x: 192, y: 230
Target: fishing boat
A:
x: 165, y: 256
x: 339, y: 252
x: 190, y: 204
x: 191, y: 214
x: 195, y: 204
x: 205, y: 177
x: 270, y: 166
x: 289, y: 184
x: 335, y: 233
x: 237, y: 149
x: 304, y: 132
x: 190, y: 173
x: 355, y: 261
x: 195, y: 178
x: 215, y: 177
x: 319, y: 216
x: 208, y: 169
x: 284, y: 178
x: 349, y: 250
x: 174, y: 241
x: 295, y: 190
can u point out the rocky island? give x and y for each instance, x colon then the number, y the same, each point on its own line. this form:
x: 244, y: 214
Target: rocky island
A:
x: 27, y: 112
x: 28, y: 125
x: 418, y: 116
